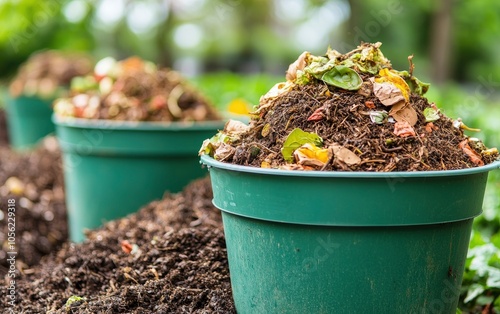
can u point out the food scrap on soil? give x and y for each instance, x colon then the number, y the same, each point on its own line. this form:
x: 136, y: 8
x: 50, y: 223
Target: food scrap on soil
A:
x: 349, y: 112
x: 46, y: 74
x: 134, y: 90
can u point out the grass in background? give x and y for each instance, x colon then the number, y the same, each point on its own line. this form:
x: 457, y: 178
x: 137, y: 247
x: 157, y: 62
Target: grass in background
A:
x: 224, y: 87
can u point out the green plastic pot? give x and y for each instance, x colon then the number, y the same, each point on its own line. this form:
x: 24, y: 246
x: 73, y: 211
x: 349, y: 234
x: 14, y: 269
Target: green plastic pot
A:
x: 28, y: 121
x: 113, y: 168
x: 346, y: 242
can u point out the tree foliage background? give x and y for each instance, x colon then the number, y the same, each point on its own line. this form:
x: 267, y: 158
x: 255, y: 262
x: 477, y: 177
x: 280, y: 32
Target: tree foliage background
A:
x: 451, y: 39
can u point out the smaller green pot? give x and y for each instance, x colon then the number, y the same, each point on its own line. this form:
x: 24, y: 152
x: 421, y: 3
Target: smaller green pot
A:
x: 112, y: 168
x: 28, y: 121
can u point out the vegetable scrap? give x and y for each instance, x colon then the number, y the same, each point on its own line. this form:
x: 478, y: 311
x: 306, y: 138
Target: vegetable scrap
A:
x: 134, y: 90
x: 349, y: 112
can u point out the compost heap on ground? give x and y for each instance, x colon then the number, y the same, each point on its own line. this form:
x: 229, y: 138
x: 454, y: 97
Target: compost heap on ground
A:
x: 134, y: 90
x: 34, y: 180
x: 46, y: 74
x: 349, y: 112
x: 170, y: 257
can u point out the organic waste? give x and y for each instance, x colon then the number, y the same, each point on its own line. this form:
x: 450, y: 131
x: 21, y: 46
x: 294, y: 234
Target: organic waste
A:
x: 349, y: 112
x: 34, y: 180
x: 49, y: 73
x: 170, y: 257
x: 134, y: 90
x: 179, y: 239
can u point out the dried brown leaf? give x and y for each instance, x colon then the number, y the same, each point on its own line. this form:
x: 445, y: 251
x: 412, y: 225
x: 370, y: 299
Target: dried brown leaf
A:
x: 388, y: 93
x: 404, y: 112
x: 345, y: 155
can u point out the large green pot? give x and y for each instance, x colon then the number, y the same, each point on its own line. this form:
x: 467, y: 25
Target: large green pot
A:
x: 346, y: 242
x: 112, y: 168
x: 28, y: 121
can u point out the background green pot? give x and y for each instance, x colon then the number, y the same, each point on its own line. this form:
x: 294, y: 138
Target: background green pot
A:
x: 28, y: 120
x: 346, y: 242
x: 112, y: 168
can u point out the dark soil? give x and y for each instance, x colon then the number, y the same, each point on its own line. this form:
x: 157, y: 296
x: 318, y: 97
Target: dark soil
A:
x: 170, y: 257
x: 35, y: 181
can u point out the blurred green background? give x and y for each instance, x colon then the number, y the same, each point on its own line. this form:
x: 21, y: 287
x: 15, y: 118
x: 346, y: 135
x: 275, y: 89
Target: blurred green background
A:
x: 455, y: 43
x: 240, y: 48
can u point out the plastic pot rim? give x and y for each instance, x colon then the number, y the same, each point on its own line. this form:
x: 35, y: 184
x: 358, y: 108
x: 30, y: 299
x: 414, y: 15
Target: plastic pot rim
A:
x: 211, y: 162
x: 137, y: 125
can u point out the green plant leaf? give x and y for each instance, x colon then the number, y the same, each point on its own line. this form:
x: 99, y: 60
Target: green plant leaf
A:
x: 342, y: 77
x: 473, y: 291
x: 431, y: 114
x: 493, y: 280
x: 297, y: 138
x: 496, y: 305
x: 476, y: 240
x: 484, y: 300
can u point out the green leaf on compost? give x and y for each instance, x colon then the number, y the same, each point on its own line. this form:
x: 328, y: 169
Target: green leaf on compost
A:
x: 319, y: 65
x: 378, y: 117
x: 431, y: 114
x: 296, y: 139
x: 342, y: 77
x: 72, y: 299
x: 302, y: 78
x: 367, y: 58
x: 209, y: 146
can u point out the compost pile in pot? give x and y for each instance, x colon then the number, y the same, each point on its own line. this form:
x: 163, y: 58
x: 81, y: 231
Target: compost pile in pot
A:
x: 349, y: 112
x: 134, y: 90
x: 35, y: 181
x: 46, y: 74
x: 170, y: 257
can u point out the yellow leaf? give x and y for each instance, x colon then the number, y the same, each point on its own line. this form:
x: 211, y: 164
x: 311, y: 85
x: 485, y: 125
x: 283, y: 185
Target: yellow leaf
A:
x: 239, y: 106
x: 265, y: 130
x: 311, y: 155
x: 265, y: 164
x: 386, y: 75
